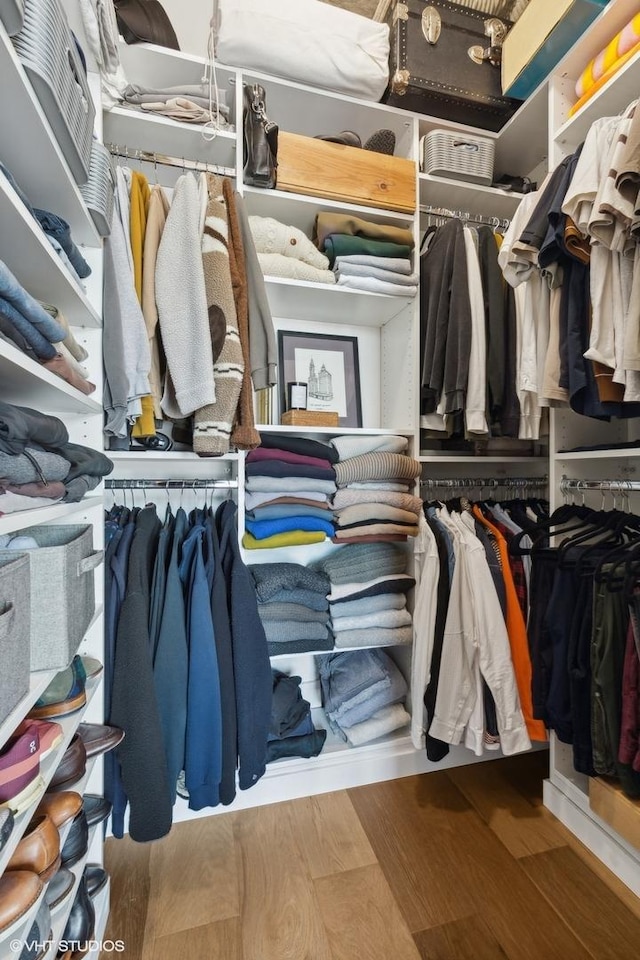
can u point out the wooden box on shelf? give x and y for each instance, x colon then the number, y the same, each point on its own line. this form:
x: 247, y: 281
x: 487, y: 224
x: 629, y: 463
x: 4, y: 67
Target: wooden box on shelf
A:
x: 310, y: 418
x: 331, y: 170
x: 607, y: 799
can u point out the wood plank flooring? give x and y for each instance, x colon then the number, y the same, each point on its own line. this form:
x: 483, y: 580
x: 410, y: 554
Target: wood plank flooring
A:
x: 456, y: 865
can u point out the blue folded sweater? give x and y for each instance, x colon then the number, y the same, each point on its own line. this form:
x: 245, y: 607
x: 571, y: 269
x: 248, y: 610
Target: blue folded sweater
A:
x: 269, y: 528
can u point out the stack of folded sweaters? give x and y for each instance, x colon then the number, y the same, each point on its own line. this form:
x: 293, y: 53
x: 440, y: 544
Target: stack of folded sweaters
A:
x: 291, y: 730
x: 367, y: 256
x: 293, y: 607
x: 288, y: 253
x: 40, y: 332
x: 368, y: 601
x: 373, y: 502
x: 288, y: 484
x: 362, y: 694
x: 38, y: 464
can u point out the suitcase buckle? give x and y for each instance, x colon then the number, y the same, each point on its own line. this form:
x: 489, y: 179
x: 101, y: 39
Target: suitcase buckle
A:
x: 401, y: 12
x: 400, y: 82
x: 496, y: 31
x: 431, y: 24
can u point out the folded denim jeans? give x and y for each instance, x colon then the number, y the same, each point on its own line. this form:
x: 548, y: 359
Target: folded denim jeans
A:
x: 40, y: 345
x: 345, y: 675
x: 12, y: 292
x: 59, y: 229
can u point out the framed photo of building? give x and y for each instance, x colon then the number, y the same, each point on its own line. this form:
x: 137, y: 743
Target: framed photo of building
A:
x: 330, y: 367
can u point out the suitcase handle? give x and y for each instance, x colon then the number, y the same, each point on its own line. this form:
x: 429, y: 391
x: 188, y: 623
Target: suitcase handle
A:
x: 466, y: 145
x: 90, y: 563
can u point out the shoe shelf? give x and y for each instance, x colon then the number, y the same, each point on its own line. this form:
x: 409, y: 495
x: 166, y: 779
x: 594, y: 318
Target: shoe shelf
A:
x: 101, y: 907
x: 57, y: 511
x: 69, y: 726
x: 330, y: 303
x: 30, y: 257
x: 26, y: 382
x: 38, y: 683
x: 31, y: 151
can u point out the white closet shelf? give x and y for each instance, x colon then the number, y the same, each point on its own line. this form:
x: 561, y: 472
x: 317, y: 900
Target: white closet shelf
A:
x: 25, y: 381
x: 173, y: 456
x: 336, y: 431
x: 330, y: 303
x: 29, y: 255
x: 31, y: 152
x: 152, y: 66
x: 57, y: 511
x: 436, y: 458
x: 136, y: 130
x: 320, y: 653
x: 472, y: 197
x: 48, y: 766
x: 609, y: 101
x: 300, y: 211
x: 608, y: 454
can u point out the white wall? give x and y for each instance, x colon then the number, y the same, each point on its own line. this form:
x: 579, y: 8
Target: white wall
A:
x: 190, y: 20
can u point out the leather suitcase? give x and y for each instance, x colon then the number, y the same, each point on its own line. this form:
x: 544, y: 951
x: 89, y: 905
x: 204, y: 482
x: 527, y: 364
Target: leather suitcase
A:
x: 432, y: 70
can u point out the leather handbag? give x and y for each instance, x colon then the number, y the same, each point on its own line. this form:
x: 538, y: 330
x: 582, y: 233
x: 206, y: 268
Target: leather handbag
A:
x: 145, y: 21
x: 260, y: 140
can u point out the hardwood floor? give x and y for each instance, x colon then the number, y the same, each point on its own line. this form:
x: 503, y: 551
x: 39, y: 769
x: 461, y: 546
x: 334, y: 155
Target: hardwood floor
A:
x: 456, y: 865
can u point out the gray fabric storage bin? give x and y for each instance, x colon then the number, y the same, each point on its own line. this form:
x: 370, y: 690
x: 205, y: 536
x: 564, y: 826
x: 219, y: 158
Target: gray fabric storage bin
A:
x: 14, y: 630
x: 62, y: 591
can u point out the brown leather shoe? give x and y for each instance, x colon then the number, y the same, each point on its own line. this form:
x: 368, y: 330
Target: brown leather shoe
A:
x: 71, y: 768
x: 38, y: 850
x: 99, y: 738
x: 61, y: 807
x: 19, y: 890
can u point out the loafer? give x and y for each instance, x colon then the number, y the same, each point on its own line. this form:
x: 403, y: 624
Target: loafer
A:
x: 82, y: 918
x: 19, y: 891
x: 71, y: 768
x: 61, y: 807
x: 96, y: 878
x: 346, y: 137
x: 99, y: 738
x: 19, y: 770
x: 96, y: 809
x: 92, y: 667
x: 77, y: 842
x: 49, y: 734
x: 36, y: 944
x: 59, y: 888
x: 65, y: 694
x: 6, y: 825
x: 38, y: 849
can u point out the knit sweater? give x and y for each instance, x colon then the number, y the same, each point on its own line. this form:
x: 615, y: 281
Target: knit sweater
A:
x: 301, y: 445
x: 377, y: 466
x: 182, y: 305
x: 261, y: 529
x: 344, y: 223
x: 213, y: 422
x: 355, y: 446
x: 350, y: 497
x: 270, y: 578
x: 291, y: 611
x: 367, y: 512
x: 353, y: 608
x: 271, y: 236
x: 292, y: 538
x: 156, y: 219
x: 288, y: 631
x: 356, y: 590
x: 277, y: 265
x: 362, y: 563
x: 380, y: 618
x: 375, y: 637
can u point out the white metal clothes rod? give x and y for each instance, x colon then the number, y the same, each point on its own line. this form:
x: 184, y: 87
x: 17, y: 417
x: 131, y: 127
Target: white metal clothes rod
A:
x: 139, y: 484
x: 162, y: 160
x: 491, y: 482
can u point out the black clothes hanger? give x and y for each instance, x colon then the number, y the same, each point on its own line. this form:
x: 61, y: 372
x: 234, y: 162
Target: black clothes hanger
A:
x: 563, y: 515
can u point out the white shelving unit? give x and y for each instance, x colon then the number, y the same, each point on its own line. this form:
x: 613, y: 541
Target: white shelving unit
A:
x: 472, y: 197
x: 31, y: 153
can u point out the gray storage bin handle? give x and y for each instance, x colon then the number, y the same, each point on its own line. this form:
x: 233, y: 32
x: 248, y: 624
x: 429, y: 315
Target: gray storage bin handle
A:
x: 91, y: 562
x: 6, y: 620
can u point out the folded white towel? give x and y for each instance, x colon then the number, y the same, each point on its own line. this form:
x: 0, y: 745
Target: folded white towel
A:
x: 397, y: 264
x: 276, y: 265
x: 373, y: 285
x: 390, y: 276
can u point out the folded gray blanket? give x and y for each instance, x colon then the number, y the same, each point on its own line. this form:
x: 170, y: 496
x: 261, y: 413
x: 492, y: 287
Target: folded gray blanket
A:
x: 291, y: 611
x: 269, y: 578
x: 381, y: 602
x: 376, y: 466
x: 349, y: 496
x: 197, y: 93
x: 374, y: 637
x: 286, y: 631
x: 391, y: 619
x: 363, y: 561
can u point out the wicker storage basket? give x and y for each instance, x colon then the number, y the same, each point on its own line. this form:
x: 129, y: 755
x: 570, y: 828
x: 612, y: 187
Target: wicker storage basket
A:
x: 444, y: 153
x: 14, y: 631
x: 62, y: 591
x: 98, y: 190
x: 48, y: 53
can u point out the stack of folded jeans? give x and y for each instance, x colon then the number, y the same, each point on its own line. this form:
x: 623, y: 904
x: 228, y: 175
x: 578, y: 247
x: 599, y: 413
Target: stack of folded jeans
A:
x: 39, y: 465
x: 368, y: 256
x: 293, y: 607
x: 368, y: 602
x: 40, y: 333
x: 289, y: 482
x: 291, y: 731
x: 57, y: 231
x: 362, y: 694
x: 373, y: 501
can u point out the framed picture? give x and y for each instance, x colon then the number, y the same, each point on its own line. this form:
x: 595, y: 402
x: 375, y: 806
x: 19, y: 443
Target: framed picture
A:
x: 329, y: 366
